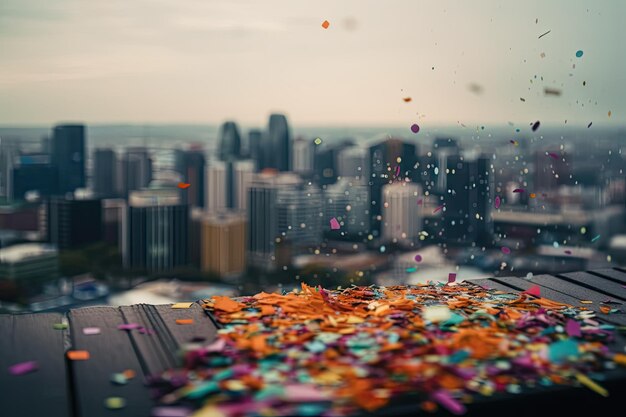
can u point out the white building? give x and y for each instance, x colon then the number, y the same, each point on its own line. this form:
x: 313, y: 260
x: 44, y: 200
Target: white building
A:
x: 402, y: 219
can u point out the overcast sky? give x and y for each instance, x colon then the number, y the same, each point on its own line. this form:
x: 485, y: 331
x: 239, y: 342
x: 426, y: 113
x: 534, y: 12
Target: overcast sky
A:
x: 203, y: 61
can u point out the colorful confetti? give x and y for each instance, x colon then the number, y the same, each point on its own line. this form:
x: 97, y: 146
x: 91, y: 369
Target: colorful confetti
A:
x: 505, y: 250
x: 518, y: 190
x: 91, y: 331
x: 553, y: 155
x: 415, y: 128
x: 317, y: 141
x: 451, y: 277
x: 23, y: 368
x: 183, y: 185
x: 418, y: 258
x: 184, y: 321
x: 115, y: 403
x: 535, y: 290
x: 496, y: 202
x: 438, y: 208
x: 579, y: 53
x: 407, y: 99
x: 595, y: 238
x: 334, y: 224
x: 77, y: 355
x: 325, y: 24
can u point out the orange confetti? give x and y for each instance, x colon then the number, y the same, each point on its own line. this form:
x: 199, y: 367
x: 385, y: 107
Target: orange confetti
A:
x: 77, y: 355
x: 407, y: 99
x: 609, y: 113
x: 325, y: 24
x: 184, y: 321
x: 226, y: 304
x: 183, y: 185
x: 605, y: 309
x: 533, y: 195
x: 129, y: 374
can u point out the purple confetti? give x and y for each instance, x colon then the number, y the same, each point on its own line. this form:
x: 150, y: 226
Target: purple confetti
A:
x: 448, y: 402
x: 23, y: 368
x: 518, y: 190
x: 128, y: 326
x: 171, y: 412
x: 415, y: 128
x: 553, y: 155
x: 452, y: 277
x: 497, y: 202
x: 568, y: 252
x: 505, y: 250
x: 418, y: 258
x: 334, y: 224
x: 572, y: 327
x: 437, y: 209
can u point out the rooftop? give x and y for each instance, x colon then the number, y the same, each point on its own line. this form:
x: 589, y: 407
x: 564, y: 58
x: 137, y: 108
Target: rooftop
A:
x: 20, y: 253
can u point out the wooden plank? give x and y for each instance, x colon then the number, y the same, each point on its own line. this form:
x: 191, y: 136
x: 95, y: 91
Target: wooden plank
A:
x: 490, y: 283
x: 201, y: 330
x: 111, y: 351
x: 612, y: 274
x: 31, y: 337
x: 587, y: 280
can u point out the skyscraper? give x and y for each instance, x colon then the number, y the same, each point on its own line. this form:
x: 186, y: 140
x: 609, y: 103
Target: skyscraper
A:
x: 348, y: 201
x: 104, y: 173
x: 218, y: 189
x: 257, y: 151
x: 193, y: 169
x: 302, y: 156
x: 280, y: 142
x: 155, y: 231
x: 223, y: 249
x: 33, y: 173
x: 230, y: 142
x: 243, y: 175
x: 136, y: 170
x: 353, y: 163
x: 68, y: 155
x: 401, y: 213
x: 74, y: 223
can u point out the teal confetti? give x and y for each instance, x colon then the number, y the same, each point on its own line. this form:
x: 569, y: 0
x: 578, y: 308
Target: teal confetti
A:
x: 579, y: 53
x: 595, y: 238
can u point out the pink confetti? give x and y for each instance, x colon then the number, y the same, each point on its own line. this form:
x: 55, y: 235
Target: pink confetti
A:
x: 398, y: 171
x: 518, y: 190
x: 553, y: 155
x: 505, y: 250
x: 334, y: 224
x: 572, y: 327
x: 91, y: 330
x: 419, y: 202
x: 497, y: 202
x: 534, y: 290
x: 23, y: 368
x: 128, y: 326
x: 452, y: 405
x: 451, y: 277
x: 437, y: 209
x: 418, y: 258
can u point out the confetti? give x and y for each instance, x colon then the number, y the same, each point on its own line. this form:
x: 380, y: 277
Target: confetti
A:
x: 572, y: 327
x: 551, y: 91
x: 115, y: 403
x: 129, y: 373
x: 438, y: 209
x: 535, y: 290
x: 418, y: 258
x: 532, y: 195
x: 586, y: 302
x: 176, y: 412
x: 119, y: 379
x: 568, y: 252
x: 514, y: 142
x: 407, y: 99
x: 415, y: 128
x: 128, y: 326
x: 23, y: 368
x: 496, y: 202
x: 317, y: 141
x: 184, y: 321
x: 609, y: 113
x: 522, y: 99
x: 182, y: 305
x: 553, y: 155
x: 436, y: 314
x: 325, y: 24
x: 544, y: 34
x: 334, y: 224
x: 586, y: 381
x: 589, y: 125
x: 59, y: 326
x: 451, y: 277
x: 505, y: 250
x: 77, y: 355
x: 605, y: 309
x: 518, y: 190
x: 579, y: 53
x: 595, y: 238
x: 91, y: 331
x: 183, y: 185
x: 536, y: 125
x: 448, y: 402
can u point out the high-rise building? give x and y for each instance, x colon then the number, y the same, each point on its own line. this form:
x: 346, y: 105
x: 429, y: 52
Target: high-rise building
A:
x: 135, y: 169
x: 348, y: 201
x: 302, y: 162
x: 353, y: 163
x: 467, y: 201
x: 280, y: 142
x: 155, y: 231
x: 218, y: 189
x: 9, y: 150
x: 33, y: 173
x: 401, y: 213
x: 192, y: 170
x: 104, y: 173
x: 299, y: 221
x: 113, y: 210
x: 74, y: 223
x: 243, y: 174
x: 256, y: 149
x: 68, y: 155
x: 230, y: 142
x: 223, y: 246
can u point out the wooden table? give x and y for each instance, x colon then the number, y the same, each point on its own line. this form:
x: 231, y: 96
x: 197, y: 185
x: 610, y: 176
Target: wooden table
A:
x: 62, y: 388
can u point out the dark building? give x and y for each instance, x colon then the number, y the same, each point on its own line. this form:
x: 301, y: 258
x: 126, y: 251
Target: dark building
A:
x: 467, y: 203
x: 230, y: 142
x: 74, y: 223
x: 325, y: 162
x: 280, y: 142
x: 104, y: 173
x: 390, y: 160
x: 33, y: 173
x: 193, y: 169
x: 135, y: 169
x: 256, y: 150
x: 68, y: 155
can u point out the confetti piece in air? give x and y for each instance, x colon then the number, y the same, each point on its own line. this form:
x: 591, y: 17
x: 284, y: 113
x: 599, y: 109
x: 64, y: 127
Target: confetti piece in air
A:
x: 448, y: 402
x: 451, y: 277
x: 334, y: 224
x: 579, y: 53
x: 184, y: 321
x: 497, y: 202
x: 568, y: 252
x: 129, y: 373
x: 412, y: 269
x: 59, y: 326
x: 115, y: 403
x: 418, y: 258
x: 183, y: 185
x: 551, y: 91
x: 398, y: 171
x: 317, y: 141
x: 407, y: 99
x: 415, y: 128
x: 572, y: 328
x: 563, y: 350
x: 536, y: 125
x: 543, y: 55
x: 77, y: 355
x: 522, y: 99
x: 325, y: 24
x: 437, y: 209
x: 535, y: 290
x: 553, y: 155
x: 589, y: 125
x: 586, y: 381
x: 505, y: 250
x: 23, y: 368
x: 91, y: 331
x: 609, y: 113
x: 544, y: 34
x: 532, y: 195
x: 595, y: 238
x: 419, y: 202
x: 514, y: 142
x: 182, y: 305
x: 518, y: 190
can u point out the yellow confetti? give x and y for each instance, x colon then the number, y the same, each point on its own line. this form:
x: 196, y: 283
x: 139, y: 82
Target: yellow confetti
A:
x: 182, y: 305
x: 115, y: 403
x: 620, y: 358
x: 586, y: 302
x: 586, y: 381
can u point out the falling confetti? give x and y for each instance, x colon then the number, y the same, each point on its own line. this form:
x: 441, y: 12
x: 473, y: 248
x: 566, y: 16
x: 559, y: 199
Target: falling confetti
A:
x: 115, y: 403
x: 535, y: 290
x: 317, y: 141
x: 595, y: 238
x: 553, y: 155
x: 505, y: 250
x: 544, y: 34
x: 452, y: 277
x: 437, y: 209
x: 568, y: 252
x: 184, y: 321
x: 579, y: 53
x: 325, y: 24
x: 609, y: 113
x: 91, y: 331
x: 533, y: 195
x: 183, y: 185
x: 418, y: 258
x: 536, y: 126
x: 522, y: 99
x: 497, y: 202
x: 589, y: 125
x: 518, y: 190
x: 407, y: 99
x: 334, y: 224
x: 551, y: 91
x: 415, y: 128
x: 77, y: 355
x: 514, y: 142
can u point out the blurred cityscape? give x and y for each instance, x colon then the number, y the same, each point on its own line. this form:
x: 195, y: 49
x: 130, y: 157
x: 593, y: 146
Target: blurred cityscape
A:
x: 117, y: 215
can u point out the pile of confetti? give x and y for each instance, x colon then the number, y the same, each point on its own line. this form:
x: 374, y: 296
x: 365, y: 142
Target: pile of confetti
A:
x: 335, y: 352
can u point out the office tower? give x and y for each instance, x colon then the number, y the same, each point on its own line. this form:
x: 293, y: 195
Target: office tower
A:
x: 33, y: 173
x: 299, y: 221
x: 263, y: 231
x: 348, y: 201
x: 401, y: 214
x: 257, y: 151
x: 467, y: 202
x: 155, y: 231
x: 243, y: 174
x: 325, y: 161
x: 9, y: 151
x: 218, y: 189
x: 230, y: 142
x: 223, y: 246
x: 280, y: 142
x: 113, y: 210
x: 135, y: 169
x: 73, y: 223
x: 353, y: 163
x: 192, y: 170
x: 302, y: 162
x: 104, y: 173
x: 68, y: 155
x: 390, y: 161
x: 442, y: 149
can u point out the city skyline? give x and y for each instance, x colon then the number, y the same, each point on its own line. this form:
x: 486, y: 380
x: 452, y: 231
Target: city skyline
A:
x: 202, y: 62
